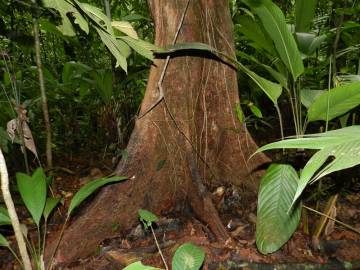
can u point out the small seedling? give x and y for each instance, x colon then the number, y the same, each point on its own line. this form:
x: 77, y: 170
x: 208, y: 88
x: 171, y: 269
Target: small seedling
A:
x: 186, y: 257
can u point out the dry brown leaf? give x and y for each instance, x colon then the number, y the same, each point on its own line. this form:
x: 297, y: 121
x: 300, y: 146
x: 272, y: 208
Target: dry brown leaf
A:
x: 331, y: 223
x: 11, y: 128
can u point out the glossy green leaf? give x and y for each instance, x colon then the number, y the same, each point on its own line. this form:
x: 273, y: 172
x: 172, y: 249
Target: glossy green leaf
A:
x: 274, y: 23
x: 188, y: 257
x: 271, y: 89
x: 336, y: 102
x: 139, y: 266
x: 90, y: 188
x: 147, y: 218
x: 4, y: 216
x: 142, y: 47
x: 65, y: 8
x: 3, y: 241
x: 304, y: 14
x: 117, y: 47
x: 308, y: 43
x: 256, y: 111
x: 96, y: 15
x: 275, y: 224
x: 252, y: 30
x: 343, y: 145
x: 126, y: 28
x: 50, y: 204
x: 33, y: 192
x: 308, y: 96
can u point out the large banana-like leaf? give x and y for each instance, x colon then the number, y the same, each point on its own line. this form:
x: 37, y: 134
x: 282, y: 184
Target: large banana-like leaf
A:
x: 274, y: 23
x: 335, y: 102
x: 304, y: 14
x: 252, y: 30
x: 342, y: 144
x: 308, y: 96
x: 275, y: 223
x: 308, y: 43
x: 271, y: 89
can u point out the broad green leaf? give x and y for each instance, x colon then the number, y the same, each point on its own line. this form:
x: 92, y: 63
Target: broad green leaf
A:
x: 275, y: 224
x: 343, y: 145
x: 33, y: 192
x: 89, y: 188
x: 252, y: 30
x: 49, y: 27
x: 271, y: 89
x: 317, y: 140
x: 188, y: 257
x: 3, y: 241
x: 344, y: 119
x: 139, y: 266
x: 142, y: 47
x: 304, y: 14
x: 336, y: 102
x: 147, y: 218
x: 274, y: 23
x: 65, y: 8
x: 117, y: 47
x: 4, y: 216
x: 125, y: 27
x: 308, y: 43
x: 50, y: 204
x: 308, y: 96
x: 280, y: 77
x: 96, y: 15
x: 256, y: 111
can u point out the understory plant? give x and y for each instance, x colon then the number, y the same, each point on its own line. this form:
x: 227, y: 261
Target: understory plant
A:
x: 33, y: 190
x: 186, y: 257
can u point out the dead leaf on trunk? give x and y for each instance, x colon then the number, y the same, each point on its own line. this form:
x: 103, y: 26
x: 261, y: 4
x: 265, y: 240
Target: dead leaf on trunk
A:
x: 12, y: 127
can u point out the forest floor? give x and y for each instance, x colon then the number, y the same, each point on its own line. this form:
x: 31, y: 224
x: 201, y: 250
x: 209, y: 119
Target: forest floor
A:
x: 337, y: 248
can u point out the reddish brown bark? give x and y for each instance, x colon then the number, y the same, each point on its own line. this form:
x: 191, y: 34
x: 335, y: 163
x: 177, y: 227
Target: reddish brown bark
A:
x: 204, y: 146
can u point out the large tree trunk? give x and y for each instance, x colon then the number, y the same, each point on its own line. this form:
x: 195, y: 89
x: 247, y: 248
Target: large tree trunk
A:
x: 192, y: 139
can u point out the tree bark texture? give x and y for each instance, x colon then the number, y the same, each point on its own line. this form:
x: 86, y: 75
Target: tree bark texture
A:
x: 189, y: 143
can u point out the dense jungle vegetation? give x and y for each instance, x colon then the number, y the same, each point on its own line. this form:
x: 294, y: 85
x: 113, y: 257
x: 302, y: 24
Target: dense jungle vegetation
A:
x: 113, y: 112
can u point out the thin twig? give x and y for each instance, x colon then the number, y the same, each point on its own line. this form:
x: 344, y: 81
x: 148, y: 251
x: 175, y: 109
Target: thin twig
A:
x: 333, y: 219
x: 158, y: 247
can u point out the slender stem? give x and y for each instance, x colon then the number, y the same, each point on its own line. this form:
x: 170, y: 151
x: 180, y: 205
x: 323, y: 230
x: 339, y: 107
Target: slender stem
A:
x: 39, y: 241
x: 42, y: 90
x: 15, y: 256
x: 296, y: 106
x: 58, y: 243
x: 333, y: 219
x: 44, y: 237
x: 158, y: 247
x: 328, y: 97
x: 12, y: 213
x: 280, y: 121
